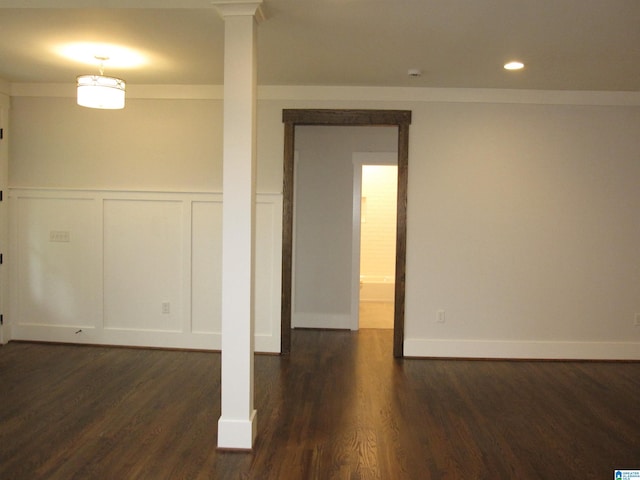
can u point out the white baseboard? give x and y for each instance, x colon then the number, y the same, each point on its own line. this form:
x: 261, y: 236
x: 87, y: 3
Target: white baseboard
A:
x: 321, y: 320
x: 133, y: 338
x: 551, y: 350
x: 237, y: 434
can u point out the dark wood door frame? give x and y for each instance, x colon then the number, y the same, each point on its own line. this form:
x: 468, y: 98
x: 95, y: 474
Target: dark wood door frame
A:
x: 397, y: 118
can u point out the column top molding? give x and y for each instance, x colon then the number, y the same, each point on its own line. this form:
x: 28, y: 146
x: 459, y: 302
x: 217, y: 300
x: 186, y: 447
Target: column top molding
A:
x: 228, y: 8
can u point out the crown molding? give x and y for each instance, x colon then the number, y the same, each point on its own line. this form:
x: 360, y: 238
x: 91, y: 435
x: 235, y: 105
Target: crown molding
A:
x: 446, y: 95
x: 289, y: 93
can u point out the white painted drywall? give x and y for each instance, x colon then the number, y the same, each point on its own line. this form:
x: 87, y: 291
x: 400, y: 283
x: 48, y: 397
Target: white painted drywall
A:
x: 161, y: 145
x: 522, y: 206
x: 523, y: 227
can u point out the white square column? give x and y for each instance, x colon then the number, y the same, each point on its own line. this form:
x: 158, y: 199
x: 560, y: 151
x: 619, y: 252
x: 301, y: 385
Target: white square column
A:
x: 237, y: 424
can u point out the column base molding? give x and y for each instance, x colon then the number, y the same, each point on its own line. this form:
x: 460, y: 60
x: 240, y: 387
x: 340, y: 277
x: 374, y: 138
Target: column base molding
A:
x: 237, y: 434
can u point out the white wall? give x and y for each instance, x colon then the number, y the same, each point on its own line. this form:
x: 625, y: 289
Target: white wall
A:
x: 324, y: 219
x: 522, y: 208
x: 164, y: 144
x: 524, y: 228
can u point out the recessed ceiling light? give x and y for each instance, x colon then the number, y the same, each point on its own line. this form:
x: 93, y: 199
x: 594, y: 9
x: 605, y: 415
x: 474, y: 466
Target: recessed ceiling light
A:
x: 514, y: 66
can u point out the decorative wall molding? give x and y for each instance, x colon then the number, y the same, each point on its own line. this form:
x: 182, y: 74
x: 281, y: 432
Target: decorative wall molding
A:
x: 321, y: 320
x: 448, y: 95
x: 98, y: 267
x: 68, y: 90
x: 351, y: 94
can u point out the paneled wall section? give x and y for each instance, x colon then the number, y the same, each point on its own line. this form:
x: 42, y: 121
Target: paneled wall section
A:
x: 133, y: 268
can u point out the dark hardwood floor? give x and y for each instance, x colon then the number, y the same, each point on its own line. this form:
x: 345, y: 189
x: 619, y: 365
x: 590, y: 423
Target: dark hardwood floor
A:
x: 339, y: 407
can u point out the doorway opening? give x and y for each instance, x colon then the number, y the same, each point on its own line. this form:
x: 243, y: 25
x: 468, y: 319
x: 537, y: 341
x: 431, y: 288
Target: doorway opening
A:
x: 400, y: 119
x: 377, y: 243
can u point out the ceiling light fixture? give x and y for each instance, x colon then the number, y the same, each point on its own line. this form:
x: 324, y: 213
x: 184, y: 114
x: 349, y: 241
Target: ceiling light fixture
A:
x: 514, y: 66
x: 100, y: 91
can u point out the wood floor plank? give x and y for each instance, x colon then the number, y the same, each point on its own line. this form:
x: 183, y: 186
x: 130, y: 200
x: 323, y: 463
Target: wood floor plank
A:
x: 339, y: 407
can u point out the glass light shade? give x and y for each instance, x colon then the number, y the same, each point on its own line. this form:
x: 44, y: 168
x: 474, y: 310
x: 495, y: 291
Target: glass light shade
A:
x: 514, y: 66
x: 98, y: 91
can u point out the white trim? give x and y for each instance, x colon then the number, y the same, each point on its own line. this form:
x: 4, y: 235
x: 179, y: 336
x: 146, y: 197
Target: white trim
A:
x: 511, y: 349
x: 349, y: 94
x: 210, y: 341
x: 125, y: 192
x: 455, y: 95
x: 138, y: 4
x: 119, y: 337
x: 296, y: 159
x: 358, y: 161
x: 237, y: 433
x: 184, y: 336
x: 234, y: 8
x: 68, y: 90
x: 320, y: 320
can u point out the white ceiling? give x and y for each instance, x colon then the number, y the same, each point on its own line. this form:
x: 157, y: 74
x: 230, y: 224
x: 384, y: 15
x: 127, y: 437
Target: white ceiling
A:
x: 566, y: 44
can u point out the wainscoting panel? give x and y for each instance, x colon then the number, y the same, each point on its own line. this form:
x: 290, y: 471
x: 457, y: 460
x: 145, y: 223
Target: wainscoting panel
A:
x: 206, y: 255
x: 142, y: 265
x: 267, y: 274
x: 57, y: 281
x: 132, y: 268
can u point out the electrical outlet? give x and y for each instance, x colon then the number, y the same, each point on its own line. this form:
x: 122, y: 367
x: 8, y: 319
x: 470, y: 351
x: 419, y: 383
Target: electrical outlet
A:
x: 441, y: 318
x: 166, y: 307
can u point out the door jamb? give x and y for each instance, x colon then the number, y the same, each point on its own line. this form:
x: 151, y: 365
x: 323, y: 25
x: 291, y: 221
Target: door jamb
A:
x: 293, y: 117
